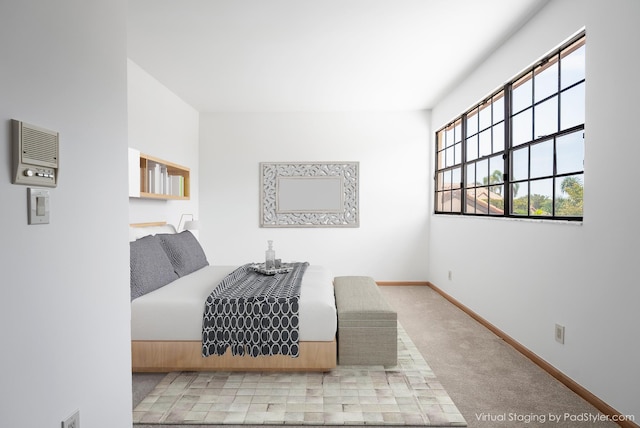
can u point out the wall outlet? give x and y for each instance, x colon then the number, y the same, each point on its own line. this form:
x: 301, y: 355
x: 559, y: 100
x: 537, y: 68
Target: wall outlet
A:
x: 560, y: 333
x: 72, y: 421
x: 450, y: 275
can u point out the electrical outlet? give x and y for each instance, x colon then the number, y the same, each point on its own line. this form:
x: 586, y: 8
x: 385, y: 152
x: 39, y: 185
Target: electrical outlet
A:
x: 450, y: 276
x: 560, y: 333
x: 72, y: 421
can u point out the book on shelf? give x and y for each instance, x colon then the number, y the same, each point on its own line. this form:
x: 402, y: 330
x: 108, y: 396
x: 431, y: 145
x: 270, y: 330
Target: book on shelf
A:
x: 161, y: 182
x: 176, y: 185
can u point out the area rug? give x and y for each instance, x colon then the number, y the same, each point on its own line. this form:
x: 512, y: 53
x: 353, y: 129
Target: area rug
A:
x: 407, y: 394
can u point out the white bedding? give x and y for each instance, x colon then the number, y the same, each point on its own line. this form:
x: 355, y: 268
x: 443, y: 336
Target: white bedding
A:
x: 174, y: 312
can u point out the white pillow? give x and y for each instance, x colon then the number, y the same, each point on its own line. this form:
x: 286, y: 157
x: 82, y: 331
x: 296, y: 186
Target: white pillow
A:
x: 139, y: 232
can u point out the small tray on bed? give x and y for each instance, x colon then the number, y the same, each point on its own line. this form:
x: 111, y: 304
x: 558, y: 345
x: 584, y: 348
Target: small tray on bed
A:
x: 261, y: 268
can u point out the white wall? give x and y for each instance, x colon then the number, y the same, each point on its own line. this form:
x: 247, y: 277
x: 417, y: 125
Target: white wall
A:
x: 64, y: 294
x: 525, y: 276
x: 390, y: 243
x: 164, y: 126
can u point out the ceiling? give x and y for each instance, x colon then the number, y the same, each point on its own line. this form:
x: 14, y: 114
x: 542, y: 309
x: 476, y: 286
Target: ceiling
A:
x: 317, y: 55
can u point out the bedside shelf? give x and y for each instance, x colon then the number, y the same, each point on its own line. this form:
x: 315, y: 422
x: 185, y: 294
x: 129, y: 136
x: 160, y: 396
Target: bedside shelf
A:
x: 154, y: 178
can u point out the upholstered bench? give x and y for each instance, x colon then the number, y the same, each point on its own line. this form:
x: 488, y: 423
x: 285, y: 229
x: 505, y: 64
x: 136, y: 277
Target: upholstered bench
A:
x: 367, y: 325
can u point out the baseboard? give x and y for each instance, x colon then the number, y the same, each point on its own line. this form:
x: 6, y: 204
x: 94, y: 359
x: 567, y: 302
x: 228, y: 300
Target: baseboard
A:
x: 567, y: 381
x: 385, y: 283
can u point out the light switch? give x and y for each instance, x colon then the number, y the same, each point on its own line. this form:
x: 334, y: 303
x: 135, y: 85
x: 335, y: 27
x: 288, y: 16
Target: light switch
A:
x: 38, y: 205
x: 40, y: 211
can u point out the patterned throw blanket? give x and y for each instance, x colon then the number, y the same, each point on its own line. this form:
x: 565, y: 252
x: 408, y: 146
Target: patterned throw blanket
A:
x: 254, y: 314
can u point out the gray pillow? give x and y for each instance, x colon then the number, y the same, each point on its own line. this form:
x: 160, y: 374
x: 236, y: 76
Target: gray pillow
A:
x: 184, y: 251
x: 150, y: 267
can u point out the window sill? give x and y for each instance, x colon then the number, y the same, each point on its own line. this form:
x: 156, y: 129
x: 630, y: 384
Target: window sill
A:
x: 516, y: 219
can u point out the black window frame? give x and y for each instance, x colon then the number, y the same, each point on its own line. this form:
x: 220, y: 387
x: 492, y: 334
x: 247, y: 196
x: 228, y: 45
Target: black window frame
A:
x: 457, y: 192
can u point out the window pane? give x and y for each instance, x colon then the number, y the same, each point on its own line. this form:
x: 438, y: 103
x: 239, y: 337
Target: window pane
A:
x: 457, y: 131
x: 485, y: 116
x: 572, y: 107
x: 456, y: 178
x: 498, y: 138
x: 569, y: 194
x: 496, y: 167
x: 443, y: 202
x: 482, y: 172
x: 520, y: 164
x: 572, y: 64
x: 570, y: 153
x: 472, y: 148
x: 440, y: 178
x: 470, y: 206
x: 456, y: 201
x: 517, y: 189
x: 540, y: 202
x: 482, y: 200
x: 495, y: 200
x: 542, y: 159
x: 448, y: 139
x: 520, y: 198
x: 522, y: 127
x: 446, y: 179
x: 546, y: 80
x: 457, y: 149
x: 485, y: 143
x: 471, y: 175
x: 546, y: 121
x: 448, y: 155
x: 522, y: 93
x: 440, y: 139
x: 472, y: 122
x: 498, y: 107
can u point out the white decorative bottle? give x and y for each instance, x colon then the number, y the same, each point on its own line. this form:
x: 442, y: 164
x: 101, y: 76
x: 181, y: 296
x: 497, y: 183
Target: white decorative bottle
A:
x: 270, y: 256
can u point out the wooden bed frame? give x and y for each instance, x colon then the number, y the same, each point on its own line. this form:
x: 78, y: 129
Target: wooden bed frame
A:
x: 166, y: 356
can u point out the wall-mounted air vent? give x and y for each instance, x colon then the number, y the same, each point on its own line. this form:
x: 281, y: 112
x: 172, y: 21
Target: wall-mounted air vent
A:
x: 35, y: 155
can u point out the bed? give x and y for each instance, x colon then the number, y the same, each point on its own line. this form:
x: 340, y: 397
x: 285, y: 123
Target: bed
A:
x: 167, y: 322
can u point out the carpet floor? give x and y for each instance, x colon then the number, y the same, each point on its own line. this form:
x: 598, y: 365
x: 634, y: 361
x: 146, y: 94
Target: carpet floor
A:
x: 404, y: 395
x: 486, y: 378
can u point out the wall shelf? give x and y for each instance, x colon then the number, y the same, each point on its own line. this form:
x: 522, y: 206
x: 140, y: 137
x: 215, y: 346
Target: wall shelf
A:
x: 154, y: 178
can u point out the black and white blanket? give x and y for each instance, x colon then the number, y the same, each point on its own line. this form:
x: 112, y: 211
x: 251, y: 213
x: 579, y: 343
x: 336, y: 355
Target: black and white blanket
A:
x: 254, y: 314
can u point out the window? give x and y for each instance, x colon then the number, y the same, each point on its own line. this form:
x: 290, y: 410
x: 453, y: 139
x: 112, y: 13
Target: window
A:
x: 520, y: 151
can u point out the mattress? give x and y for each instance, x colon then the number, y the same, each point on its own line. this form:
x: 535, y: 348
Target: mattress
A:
x: 174, y: 312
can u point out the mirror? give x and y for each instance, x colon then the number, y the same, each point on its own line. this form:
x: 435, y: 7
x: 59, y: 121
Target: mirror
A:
x: 309, y: 194
x: 301, y: 194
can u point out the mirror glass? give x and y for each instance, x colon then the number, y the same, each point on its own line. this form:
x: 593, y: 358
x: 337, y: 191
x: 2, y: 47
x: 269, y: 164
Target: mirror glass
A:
x: 309, y: 194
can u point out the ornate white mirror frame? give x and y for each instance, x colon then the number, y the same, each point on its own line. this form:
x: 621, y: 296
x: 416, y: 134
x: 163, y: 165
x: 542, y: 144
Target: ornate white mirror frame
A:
x: 309, y: 194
